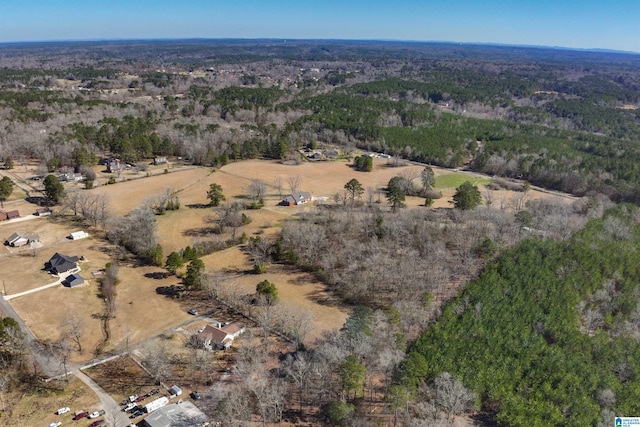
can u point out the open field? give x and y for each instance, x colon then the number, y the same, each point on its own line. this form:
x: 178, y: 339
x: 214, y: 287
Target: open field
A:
x: 141, y: 311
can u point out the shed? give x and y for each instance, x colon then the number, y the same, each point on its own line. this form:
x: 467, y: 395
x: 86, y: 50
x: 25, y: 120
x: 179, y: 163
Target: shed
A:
x: 12, y: 214
x: 73, y: 280
x: 44, y: 211
x: 21, y: 239
x: 77, y: 235
x: 175, y: 390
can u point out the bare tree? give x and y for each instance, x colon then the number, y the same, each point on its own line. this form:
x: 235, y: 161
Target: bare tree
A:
x: 277, y: 183
x: 451, y: 395
x: 257, y: 190
x: 73, y: 327
x: 294, y: 182
x: 157, y: 361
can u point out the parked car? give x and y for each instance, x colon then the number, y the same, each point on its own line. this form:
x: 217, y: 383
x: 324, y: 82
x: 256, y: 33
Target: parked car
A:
x: 136, y: 414
x: 97, y: 423
x: 56, y: 424
x: 154, y: 391
x: 80, y: 415
x: 133, y: 397
x: 93, y: 415
x: 195, y: 395
x: 63, y: 410
x: 140, y: 399
x: 193, y: 311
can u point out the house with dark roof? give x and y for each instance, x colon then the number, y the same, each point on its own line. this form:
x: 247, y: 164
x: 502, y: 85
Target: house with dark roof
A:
x: 59, y: 264
x: 294, y: 199
x: 73, y: 280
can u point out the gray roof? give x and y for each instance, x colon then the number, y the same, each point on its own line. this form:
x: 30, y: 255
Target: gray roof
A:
x: 61, y: 263
x: 183, y: 414
x: 74, y: 280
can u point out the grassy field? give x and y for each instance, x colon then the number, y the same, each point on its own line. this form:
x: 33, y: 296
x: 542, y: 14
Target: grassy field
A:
x: 456, y: 179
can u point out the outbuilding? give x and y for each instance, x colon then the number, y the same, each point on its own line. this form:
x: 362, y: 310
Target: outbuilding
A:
x: 73, y: 280
x: 77, y: 235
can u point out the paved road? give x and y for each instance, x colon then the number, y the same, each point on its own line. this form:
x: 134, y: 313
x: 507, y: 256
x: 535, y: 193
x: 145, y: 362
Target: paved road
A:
x: 113, y: 414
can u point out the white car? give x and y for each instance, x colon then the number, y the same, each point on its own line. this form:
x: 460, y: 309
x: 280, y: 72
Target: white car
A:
x: 133, y: 397
x: 93, y: 415
x: 56, y: 424
x: 63, y: 410
x: 130, y: 406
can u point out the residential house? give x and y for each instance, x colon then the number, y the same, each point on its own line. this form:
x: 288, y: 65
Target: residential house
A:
x: 59, y: 263
x: 71, y: 177
x: 113, y: 165
x: 20, y: 239
x: 220, y: 337
x: 160, y: 161
x: 73, y: 280
x: 296, y: 199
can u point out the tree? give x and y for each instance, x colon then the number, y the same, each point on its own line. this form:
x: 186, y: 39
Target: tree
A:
x: 193, y: 277
x: 268, y: 291
x: 428, y: 178
x: 215, y: 194
x: 8, y: 163
x: 467, y: 196
x: 174, y: 262
x: 6, y: 188
x: 452, y: 395
x: 53, y: 188
x: 154, y: 256
x: 294, y: 183
x: 352, y: 375
x: 395, y: 192
x: 257, y: 191
x: 355, y: 189
x: 337, y: 413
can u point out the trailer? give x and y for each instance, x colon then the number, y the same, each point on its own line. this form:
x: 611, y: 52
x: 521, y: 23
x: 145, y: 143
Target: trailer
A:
x: 156, y: 404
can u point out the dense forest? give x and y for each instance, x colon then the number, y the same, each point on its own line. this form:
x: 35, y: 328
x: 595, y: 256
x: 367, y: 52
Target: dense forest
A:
x: 522, y: 315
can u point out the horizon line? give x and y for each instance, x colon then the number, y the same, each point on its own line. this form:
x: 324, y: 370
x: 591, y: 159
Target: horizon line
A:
x: 175, y: 39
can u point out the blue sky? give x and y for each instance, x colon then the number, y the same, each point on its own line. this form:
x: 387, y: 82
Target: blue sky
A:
x: 610, y: 24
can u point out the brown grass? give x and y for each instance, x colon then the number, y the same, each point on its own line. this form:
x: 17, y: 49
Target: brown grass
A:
x: 141, y: 311
x: 38, y: 409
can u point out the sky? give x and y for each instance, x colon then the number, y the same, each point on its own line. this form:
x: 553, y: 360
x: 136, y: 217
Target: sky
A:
x: 585, y: 24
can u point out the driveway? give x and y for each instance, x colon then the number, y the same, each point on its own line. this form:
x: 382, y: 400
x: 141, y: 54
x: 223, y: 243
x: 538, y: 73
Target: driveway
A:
x: 113, y: 413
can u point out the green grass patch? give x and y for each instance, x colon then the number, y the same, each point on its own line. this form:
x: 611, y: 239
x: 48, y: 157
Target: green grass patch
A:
x: 455, y: 180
